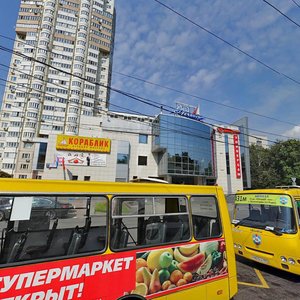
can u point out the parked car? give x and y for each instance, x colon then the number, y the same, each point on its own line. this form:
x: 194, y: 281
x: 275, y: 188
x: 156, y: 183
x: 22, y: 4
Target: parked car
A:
x: 52, y: 208
x: 46, y: 206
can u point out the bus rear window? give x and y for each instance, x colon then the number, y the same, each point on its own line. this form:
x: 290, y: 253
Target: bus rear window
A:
x: 142, y: 221
x: 205, y: 214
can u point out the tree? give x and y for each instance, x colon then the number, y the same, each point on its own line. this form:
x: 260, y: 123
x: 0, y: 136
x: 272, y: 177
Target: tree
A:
x: 286, y: 160
x: 262, y: 173
x: 276, y: 165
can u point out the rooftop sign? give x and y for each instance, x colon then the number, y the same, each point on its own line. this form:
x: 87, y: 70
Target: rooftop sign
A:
x: 188, y: 111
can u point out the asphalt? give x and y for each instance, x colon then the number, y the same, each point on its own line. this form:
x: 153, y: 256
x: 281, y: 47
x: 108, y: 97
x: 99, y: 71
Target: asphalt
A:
x: 260, y: 282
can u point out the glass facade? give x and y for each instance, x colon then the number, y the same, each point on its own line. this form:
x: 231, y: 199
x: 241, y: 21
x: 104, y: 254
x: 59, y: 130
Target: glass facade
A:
x: 184, y: 146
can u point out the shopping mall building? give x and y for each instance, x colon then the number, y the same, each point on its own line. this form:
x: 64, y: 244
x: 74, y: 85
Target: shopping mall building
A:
x: 172, y: 147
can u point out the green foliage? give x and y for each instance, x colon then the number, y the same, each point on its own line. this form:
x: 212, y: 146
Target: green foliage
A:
x: 276, y: 165
x: 100, y: 207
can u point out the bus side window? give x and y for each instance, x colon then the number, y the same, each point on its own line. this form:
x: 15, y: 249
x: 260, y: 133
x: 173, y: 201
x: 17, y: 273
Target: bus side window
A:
x: 149, y: 221
x: 205, y: 217
x: 298, y: 209
x: 57, y: 227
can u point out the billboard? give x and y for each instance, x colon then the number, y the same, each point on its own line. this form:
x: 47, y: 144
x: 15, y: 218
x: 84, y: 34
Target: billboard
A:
x: 82, y: 143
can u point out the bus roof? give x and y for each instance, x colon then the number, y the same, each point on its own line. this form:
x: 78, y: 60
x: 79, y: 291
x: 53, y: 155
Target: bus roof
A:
x: 292, y: 190
x: 27, y: 186
x: 288, y: 186
x: 148, y: 179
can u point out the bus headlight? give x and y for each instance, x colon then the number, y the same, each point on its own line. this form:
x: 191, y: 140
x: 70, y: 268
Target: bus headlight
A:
x: 283, y: 259
x: 291, y: 261
x: 237, y: 246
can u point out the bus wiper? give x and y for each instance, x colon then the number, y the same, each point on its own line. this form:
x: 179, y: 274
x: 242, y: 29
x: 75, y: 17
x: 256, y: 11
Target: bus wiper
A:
x: 273, y: 230
x: 236, y: 222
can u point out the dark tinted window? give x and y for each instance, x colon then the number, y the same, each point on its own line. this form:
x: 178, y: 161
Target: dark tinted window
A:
x: 205, y: 215
x: 142, y: 160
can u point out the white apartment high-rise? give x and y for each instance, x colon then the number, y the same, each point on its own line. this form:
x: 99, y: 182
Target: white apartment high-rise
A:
x: 58, y: 42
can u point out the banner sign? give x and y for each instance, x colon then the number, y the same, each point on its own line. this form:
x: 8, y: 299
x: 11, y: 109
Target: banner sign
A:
x: 237, y: 156
x: 82, y: 158
x: 94, y: 277
x: 264, y: 199
x: 81, y: 143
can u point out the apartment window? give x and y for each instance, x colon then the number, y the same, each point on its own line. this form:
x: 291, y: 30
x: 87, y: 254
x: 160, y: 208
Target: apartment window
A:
x: 23, y: 176
x: 12, y: 144
x: 143, y: 139
x: 9, y: 154
x: 24, y: 166
x: 142, y: 160
x: 28, y: 145
x: 8, y: 166
x: 87, y: 178
x: 74, y: 177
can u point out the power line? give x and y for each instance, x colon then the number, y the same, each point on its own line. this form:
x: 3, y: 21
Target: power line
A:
x: 229, y: 44
x: 181, y: 92
x: 296, y: 3
x: 140, y: 99
x: 283, y: 14
x: 181, y: 130
x: 204, y: 99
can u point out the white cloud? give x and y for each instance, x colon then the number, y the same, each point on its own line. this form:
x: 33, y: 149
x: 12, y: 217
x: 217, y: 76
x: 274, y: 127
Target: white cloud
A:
x: 157, y: 45
x: 293, y: 133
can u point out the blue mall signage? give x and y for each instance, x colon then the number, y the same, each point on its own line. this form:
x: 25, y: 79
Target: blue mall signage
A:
x: 187, y: 111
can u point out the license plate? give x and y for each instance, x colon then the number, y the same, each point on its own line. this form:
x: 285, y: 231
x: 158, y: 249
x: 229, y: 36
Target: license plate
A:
x: 260, y: 259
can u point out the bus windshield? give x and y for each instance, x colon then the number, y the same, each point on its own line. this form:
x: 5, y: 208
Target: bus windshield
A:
x: 265, y: 211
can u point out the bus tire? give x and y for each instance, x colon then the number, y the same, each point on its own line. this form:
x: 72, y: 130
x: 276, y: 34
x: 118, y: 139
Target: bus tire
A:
x: 132, y: 297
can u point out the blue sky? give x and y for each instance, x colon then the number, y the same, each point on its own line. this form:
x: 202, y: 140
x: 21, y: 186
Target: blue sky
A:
x: 157, y: 45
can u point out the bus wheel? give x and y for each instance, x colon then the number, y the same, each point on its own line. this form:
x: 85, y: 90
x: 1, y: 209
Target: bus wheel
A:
x: 132, y: 297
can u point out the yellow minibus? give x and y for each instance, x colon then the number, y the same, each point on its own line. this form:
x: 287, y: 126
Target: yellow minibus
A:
x: 106, y: 241
x: 266, y: 227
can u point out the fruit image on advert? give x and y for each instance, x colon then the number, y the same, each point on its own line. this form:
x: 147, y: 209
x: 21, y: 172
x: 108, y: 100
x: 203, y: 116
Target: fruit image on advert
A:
x: 160, y: 270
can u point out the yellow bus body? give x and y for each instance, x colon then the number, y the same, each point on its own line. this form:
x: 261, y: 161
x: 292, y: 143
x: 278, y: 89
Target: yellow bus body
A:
x: 268, y: 238
x: 31, y: 269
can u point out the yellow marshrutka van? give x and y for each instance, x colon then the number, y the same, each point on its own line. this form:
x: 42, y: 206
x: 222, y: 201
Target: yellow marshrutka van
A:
x: 109, y: 241
x: 266, y: 227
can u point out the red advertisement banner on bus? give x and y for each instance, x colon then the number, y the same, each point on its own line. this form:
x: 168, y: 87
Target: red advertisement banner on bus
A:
x: 107, y: 277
